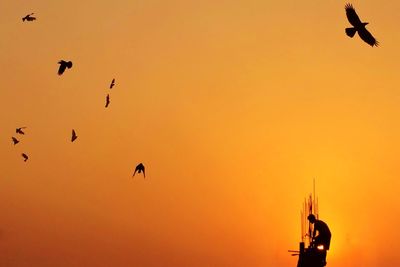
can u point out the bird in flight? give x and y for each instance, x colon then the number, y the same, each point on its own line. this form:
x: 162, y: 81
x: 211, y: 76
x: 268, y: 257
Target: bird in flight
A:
x: 358, y: 26
x: 139, y: 168
x: 74, y: 136
x: 112, y: 83
x: 107, y: 100
x: 25, y: 156
x: 29, y: 18
x: 63, y: 66
x: 15, y: 140
x: 19, y: 130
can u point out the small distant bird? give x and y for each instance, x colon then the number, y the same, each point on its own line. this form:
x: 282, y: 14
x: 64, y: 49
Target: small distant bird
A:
x: 25, y: 156
x: 107, y: 100
x: 74, y: 136
x: 112, y: 83
x: 15, y: 140
x: 359, y: 26
x: 29, y: 18
x: 19, y: 130
x: 139, y: 168
x: 63, y: 66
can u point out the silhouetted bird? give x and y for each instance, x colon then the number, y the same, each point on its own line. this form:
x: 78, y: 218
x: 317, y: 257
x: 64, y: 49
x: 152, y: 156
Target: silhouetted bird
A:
x: 19, y: 130
x: 15, y: 140
x: 107, y: 100
x: 139, y: 168
x: 74, y: 136
x: 63, y: 66
x: 25, y: 156
x: 112, y: 83
x: 359, y: 26
x: 29, y: 18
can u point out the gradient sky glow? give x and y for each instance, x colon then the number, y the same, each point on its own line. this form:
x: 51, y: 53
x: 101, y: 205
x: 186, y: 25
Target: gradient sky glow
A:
x: 233, y: 106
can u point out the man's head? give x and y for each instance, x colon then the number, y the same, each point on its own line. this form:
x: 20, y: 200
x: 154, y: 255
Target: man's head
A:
x: 311, y: 218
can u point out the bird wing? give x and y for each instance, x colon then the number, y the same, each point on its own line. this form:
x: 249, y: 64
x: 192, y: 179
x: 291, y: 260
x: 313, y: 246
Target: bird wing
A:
x: 135, y: 171
x: 140, y: 167
x: 352, y: 15
x: 107, y: 100
x: 367, y: 37
x: 62, y: 67
x: 74, y: 136
x: 69, y: 64
x: 112, y: 83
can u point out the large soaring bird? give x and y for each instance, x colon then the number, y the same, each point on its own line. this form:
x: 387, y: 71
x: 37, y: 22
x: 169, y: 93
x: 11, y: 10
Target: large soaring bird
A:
x: 139, y: 168
x: 63, y: 66
x: 29, y: 18
x: 358, y: 26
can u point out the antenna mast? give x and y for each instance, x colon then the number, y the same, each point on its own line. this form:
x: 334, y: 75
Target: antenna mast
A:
x: 310, y: 207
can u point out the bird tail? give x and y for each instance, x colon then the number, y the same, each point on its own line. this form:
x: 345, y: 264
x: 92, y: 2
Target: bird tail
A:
x: 350, y: 32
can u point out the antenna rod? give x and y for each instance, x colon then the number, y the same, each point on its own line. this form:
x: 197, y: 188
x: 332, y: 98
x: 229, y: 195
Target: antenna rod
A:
x: 314, y: 195
x: 302, y: 224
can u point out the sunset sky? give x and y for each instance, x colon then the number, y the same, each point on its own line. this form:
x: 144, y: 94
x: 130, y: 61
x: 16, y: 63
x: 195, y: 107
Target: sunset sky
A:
x: 234, y: 107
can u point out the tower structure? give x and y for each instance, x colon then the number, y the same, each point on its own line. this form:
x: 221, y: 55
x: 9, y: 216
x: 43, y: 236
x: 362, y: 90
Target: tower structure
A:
x: 309, y: 255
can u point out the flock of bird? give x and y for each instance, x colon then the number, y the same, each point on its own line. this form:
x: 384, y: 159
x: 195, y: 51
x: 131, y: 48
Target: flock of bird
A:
x: 358, y: 27
x: 64, y: 65
x: 108, y: 95
x: 16, y: 141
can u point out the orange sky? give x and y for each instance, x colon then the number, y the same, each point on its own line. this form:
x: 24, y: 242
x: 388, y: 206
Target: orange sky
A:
x: 233, y: 107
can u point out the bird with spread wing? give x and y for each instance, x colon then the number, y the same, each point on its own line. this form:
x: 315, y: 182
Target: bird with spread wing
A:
x: 107, y: 100
x: 73, y: 136
x: 139, y: 168
x: 358, y: 26
x: 112, y: 83
x: 15, y: 140
x: 63, y: 65
x: 19, y: 130
x: 25, y: 156
x: 29, y: 17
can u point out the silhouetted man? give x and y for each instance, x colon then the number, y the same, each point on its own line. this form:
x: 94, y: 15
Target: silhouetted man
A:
x: 324, y: 235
